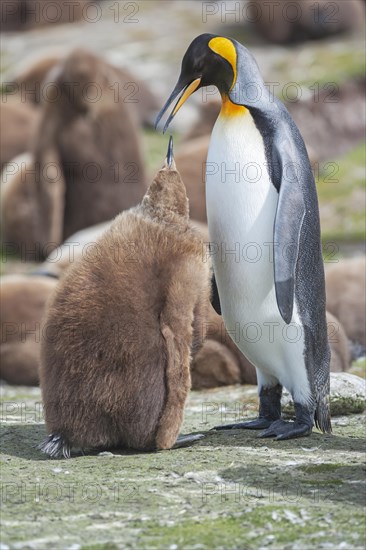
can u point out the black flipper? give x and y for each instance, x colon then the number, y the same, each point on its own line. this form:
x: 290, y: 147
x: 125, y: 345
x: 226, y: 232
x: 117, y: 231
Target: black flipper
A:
x: 215, y: 298
x: 287, y: 229
x: 302, y: 426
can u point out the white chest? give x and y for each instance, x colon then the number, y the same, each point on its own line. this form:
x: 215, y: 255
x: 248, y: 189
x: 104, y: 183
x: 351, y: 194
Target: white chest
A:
x: 241, y: 207
x: 237, y: 179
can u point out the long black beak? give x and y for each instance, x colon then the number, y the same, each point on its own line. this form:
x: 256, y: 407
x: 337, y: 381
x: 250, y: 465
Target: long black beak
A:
x: 185, y: 90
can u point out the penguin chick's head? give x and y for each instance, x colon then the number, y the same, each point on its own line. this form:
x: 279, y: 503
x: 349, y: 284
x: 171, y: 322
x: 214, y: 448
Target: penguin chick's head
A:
x: 209, y: 60
x: 166, y: 198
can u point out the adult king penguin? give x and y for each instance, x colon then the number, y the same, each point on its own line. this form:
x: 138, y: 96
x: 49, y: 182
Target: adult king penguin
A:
x: 260, y: 193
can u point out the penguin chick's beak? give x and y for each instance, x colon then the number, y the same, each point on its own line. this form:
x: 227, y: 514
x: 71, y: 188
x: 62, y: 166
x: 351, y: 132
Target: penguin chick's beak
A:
x: 185, y: 92
x: 169, y: 156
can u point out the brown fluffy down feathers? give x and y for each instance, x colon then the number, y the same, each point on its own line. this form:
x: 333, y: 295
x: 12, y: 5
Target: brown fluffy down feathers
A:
x: 122, y: 325
x: 87, y: 160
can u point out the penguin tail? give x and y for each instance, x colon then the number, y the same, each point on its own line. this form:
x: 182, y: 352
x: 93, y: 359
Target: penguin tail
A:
x: 322, y: 415
x: 55, y: 446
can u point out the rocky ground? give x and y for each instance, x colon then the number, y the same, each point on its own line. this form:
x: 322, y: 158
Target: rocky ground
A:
x: 230, y: 490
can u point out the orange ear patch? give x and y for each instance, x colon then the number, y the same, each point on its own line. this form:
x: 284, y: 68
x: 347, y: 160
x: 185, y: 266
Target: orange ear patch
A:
x: 224, y: 47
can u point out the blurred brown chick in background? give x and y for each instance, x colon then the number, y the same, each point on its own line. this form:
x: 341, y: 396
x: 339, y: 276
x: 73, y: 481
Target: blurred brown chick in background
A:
x: 87, y: 163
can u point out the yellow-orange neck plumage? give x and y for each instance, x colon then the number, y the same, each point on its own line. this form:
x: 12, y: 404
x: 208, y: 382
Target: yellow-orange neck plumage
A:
x: 230, y: 109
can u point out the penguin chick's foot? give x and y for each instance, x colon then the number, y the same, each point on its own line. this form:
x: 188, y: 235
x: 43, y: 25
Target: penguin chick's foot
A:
x: 302, y: 426
x: 186, y: 440
x: 55, y: 446
x: 269, y: 411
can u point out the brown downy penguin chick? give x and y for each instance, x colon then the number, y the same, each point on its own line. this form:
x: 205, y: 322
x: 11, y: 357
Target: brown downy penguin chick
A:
x: 217, y: 363
x: 18, y: 123
x: 23, y: 300
x: 95, y: 137
x: 345, y: 284
x: 87, y: 156
x: 121, y: 328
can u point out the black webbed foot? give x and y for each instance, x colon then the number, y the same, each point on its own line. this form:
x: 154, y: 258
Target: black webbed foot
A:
x: 257, y: 424
x: 280, y: 430
x: 301, y: 427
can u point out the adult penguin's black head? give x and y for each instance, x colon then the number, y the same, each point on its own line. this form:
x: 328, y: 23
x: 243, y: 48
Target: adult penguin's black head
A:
x: 209, y: 60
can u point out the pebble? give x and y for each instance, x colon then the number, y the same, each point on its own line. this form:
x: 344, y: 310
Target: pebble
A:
x: 105, y: 454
